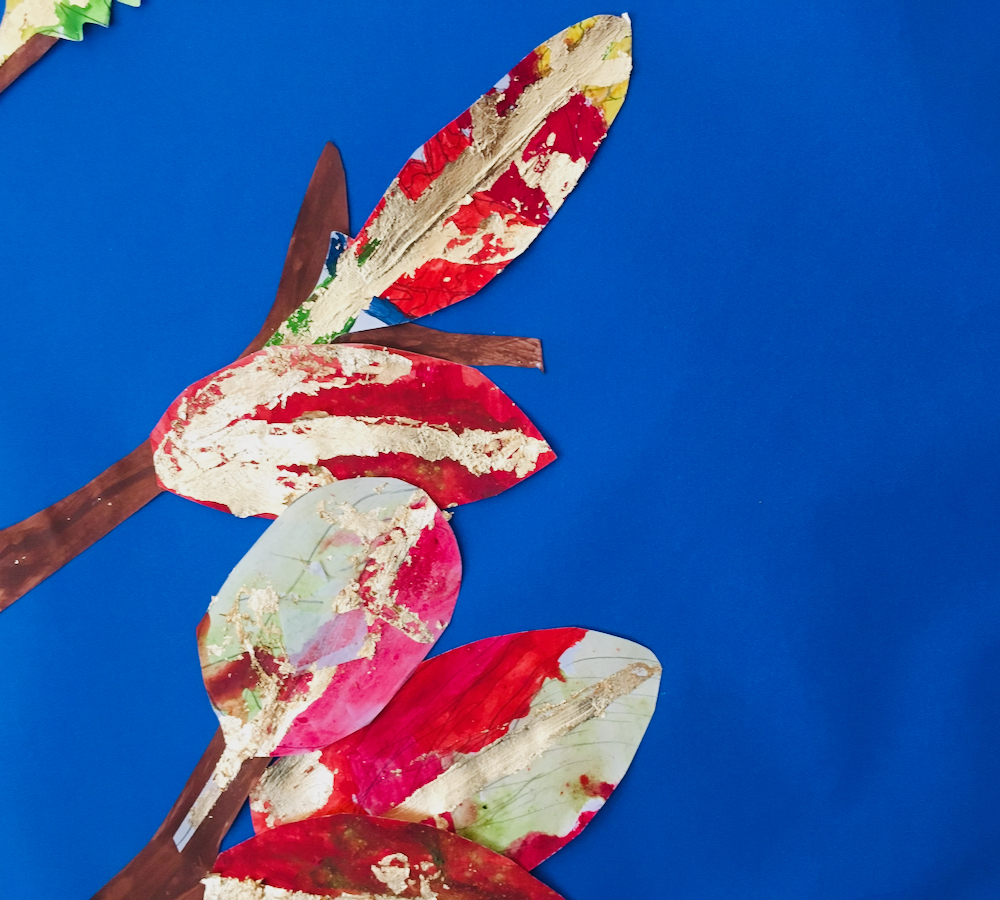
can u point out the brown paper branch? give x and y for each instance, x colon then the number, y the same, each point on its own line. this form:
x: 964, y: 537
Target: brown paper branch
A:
x: 42, y: 544
x: 160, y: 871
x: 24, y: 57
x: 324, y: 210
x: 467, y: 349
x: 34, y: 549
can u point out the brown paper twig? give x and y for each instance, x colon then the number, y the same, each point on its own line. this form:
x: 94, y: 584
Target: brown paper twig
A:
x: 324, y: 210
x: 162, y: 872
x: 43, y: 543
x: 467, y: 349
x: 24, y: 57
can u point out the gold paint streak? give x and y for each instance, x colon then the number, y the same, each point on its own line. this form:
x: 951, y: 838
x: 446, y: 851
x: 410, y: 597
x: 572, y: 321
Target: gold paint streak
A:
x: 298, y: 787
x: 212, y: 464
x: 515, y: 751
x: 218, y: 887
x: 262, y: 733
x: 388, y: 547
x: 413, y: 232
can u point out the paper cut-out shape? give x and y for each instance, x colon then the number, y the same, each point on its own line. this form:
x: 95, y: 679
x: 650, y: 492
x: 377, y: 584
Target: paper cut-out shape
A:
x: 477, y: 194
x: 26, y: 21
x: 324, y: 210
x: 24, y: 57
x: 362, y: 857
x: 257, y: 434
x: 466, y: 349
x: 338, y: 602
x: 313, y: 631
x: 32, y: 550
x: 514, y: 742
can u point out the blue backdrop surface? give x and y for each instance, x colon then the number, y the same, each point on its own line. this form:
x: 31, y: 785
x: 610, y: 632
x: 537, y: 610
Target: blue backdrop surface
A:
x: 771, y: 321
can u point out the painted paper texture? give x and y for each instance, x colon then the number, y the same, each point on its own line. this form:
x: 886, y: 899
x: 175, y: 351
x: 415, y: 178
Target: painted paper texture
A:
x: 22, y: 19
x: 254, y: 436
x: 514, y: 742
x: 365, y: 858
x: 328, y: 614
x: 474, y: 196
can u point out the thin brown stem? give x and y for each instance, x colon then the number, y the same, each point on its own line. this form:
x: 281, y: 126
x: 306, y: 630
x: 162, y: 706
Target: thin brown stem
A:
x: 164, y: 871
x: 24, y: 57
x: 467, y: 349
x: 40, y: 545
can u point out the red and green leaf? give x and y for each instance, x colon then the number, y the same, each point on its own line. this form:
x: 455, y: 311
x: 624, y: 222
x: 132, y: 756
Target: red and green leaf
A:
x: 514, y: 742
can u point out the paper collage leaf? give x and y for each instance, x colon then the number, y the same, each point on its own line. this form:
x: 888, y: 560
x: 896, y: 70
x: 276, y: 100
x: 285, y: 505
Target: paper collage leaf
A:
x: 514, y: 742
x: 444, y: 779
x: 479, y: 192
x: 22, y: 19
x: 311, y: 634
x: 328, y: 614
x: 364, y: 858
x: 254, y: 436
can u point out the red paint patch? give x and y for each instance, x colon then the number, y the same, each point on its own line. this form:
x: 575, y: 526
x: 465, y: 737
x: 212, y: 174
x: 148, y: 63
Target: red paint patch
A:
x: 226, y: 681
x: 535, y: 847
x: 530, y: 203
x: 445, y: 147
x: 576, y: 129
x: 600, y: 789
x: 525, y: 73
x: 472, y: 217
x: 458, y: 702
x: 437, y: 284
x: 339, y: 855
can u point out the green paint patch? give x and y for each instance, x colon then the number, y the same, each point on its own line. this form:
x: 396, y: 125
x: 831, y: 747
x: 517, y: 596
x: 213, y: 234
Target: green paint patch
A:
x: 275, y: 340
x: 252, y: 703
x: 73, y: 18
x: 299, y: 321
x: 369, y: 248
x: 333, y: 335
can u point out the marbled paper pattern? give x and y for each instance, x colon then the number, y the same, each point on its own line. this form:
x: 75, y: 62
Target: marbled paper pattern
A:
x: 337, y: 602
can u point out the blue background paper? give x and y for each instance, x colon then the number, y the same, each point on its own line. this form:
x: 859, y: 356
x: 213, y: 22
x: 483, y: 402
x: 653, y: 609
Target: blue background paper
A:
x: 771, y: 316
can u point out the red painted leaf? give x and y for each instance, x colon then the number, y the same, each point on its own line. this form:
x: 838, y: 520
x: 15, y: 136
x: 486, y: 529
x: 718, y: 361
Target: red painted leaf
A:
x: 475, y: 196
x: 513, y: 741
x: 255, y: 435
x: 328, y: 614
x: 363, y: 857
